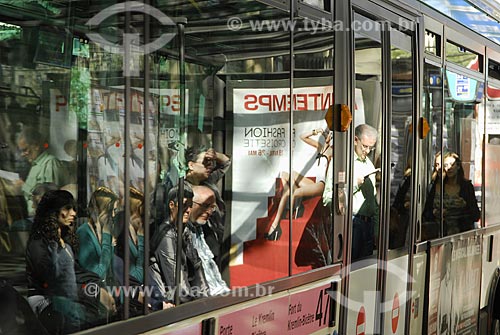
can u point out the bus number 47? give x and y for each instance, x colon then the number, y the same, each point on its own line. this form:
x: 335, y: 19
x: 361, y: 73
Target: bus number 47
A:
x: 323, y: 307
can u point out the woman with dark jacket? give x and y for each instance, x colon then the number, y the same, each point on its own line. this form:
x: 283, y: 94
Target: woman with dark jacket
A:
x: 50, y: 264
x: 460, y: 210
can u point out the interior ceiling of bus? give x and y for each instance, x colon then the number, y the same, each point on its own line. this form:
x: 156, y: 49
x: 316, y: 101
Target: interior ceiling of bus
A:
x: 207, y: 32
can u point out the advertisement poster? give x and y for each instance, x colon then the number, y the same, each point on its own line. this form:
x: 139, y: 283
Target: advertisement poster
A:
x: 105, y: 140
x: 454, y: 287
x: 466, y: 270
x: 268, y: 151
x: 261, y: 147
x: 60, y: 114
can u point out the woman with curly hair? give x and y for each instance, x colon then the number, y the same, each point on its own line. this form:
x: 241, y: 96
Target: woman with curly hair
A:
x: 50, y: 264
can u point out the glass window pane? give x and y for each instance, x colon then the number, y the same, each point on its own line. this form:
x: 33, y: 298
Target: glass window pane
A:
x: 453, y: 199
x: 492, y: 155
x: 401, y: 143
x: 462, y: 56
x: 238, y: 141
x: 367, y: 120
x: 312, y: 150
x: 320, y: 4
x: 432, y: 43
x: 432, y: 111
x: 494, y: 70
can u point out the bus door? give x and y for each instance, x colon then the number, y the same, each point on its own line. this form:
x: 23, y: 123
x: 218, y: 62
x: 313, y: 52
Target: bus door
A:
x: 381, y: 171
x: 362, y: 294
x: 398, y: 197
x: 452, y: 152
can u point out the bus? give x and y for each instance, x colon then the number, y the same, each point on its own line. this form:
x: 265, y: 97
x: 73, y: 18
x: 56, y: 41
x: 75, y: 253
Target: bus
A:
x: 332, y: 166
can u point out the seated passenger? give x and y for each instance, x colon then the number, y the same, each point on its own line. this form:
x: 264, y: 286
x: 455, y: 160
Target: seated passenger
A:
x: 50, y: 264
x: 208, y: 168
x: 164, y: 251
x: 460, y: 209
x: 203, y: 207
x: 96, y: 248
x: 136, y: 239
x: 44, y: 166
x: 136, y: 253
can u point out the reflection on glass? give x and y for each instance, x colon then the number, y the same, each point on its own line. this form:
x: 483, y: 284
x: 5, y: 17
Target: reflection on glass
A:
x: 254, y: 78
x: 321, y: 4
x: 432, y: 111
x: 492, y: 156
x: 311, y: 226
x: 401, y: 146
x: 493, y: 70
x: 432, y: 43
x: 462, y: 56
x: 452, y: 197
x: 367, y: 121
x: 220, y: 118
x: 451, y: 205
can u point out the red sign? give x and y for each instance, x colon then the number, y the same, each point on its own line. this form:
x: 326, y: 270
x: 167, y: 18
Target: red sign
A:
x: 395, y: 313
x: 360, y: 323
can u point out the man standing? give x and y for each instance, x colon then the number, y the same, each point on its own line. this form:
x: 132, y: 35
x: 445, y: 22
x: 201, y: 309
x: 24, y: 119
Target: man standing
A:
x: 45, y: 168
x: 364, y: 204
x: 203, y: 207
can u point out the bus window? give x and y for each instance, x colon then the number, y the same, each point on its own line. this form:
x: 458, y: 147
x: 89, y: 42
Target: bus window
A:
x: 251, y: 95
x: 312, y: 151
x: 492, y: 156
x: 432, y: 43
x: 401, y: 143
x: 366, y: 158
x: 461, y: 56
x: 452, y: 198
x: 432, y: 111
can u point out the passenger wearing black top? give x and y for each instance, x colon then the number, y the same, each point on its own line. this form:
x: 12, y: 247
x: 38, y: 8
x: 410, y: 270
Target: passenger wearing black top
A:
x: 50, y: 264
x: 207, y: 168
x: 164, y: 251
x: 460, y: 209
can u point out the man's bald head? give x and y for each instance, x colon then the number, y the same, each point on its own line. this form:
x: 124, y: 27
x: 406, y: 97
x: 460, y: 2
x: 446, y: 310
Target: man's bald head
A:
x: 203, y: 204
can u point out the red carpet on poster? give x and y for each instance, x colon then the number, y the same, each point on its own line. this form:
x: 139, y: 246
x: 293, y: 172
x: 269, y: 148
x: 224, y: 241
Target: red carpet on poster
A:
x: 265, y: 260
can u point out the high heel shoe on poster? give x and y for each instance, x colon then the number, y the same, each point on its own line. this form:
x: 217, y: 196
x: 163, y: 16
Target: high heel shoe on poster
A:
x: 275, y: 235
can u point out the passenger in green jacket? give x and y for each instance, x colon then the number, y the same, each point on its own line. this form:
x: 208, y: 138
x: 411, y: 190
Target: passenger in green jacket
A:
x: 96, y: 240
x: 45, y: 167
